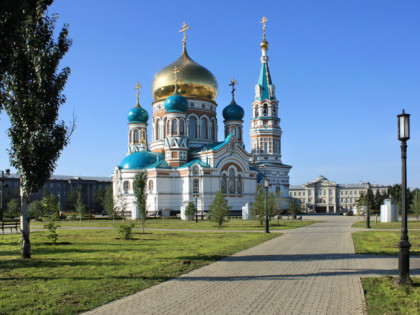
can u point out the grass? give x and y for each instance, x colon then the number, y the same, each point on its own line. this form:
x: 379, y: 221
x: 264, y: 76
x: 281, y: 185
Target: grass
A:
x: 388, y: 225
x: 384, y: 297
x: 384, y: 242
x: 89, y: 268
x: 233, y: 224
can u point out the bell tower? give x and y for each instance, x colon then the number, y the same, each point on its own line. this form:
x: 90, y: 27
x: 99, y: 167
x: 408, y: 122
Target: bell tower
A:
x: 265, y: 130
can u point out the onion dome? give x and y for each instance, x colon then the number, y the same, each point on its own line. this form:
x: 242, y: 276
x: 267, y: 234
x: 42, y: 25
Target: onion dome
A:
x: 196, y: 80
x: 176, y: 103
x: 137, y: 115
x: 140, y: 160
x: 233, y: 111
x: 264, y: 44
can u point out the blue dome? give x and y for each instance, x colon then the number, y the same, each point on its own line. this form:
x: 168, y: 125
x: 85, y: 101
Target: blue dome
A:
x: 137, y: 115
x: 233, y: 112
x: 176, y: 103
x: 140, y: 160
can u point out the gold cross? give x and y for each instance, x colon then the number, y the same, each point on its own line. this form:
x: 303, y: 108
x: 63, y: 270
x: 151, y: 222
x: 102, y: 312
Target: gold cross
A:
x: 232, y: 84
x: 138, y: 86
x: 184, y: 29
x: 264, y: 19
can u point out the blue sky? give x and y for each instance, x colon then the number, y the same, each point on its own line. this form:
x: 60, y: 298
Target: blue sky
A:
x: 343, y: 70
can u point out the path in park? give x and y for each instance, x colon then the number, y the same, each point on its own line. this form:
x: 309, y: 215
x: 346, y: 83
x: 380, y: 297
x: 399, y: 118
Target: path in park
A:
x: 310, y: 270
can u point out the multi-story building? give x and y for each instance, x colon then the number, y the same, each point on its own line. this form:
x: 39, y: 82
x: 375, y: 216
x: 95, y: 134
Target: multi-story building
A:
x: 60, y: 186
x: 323, y: 196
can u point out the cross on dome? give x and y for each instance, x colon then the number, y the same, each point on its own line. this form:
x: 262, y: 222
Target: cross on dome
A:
x: 263, y: 21
x: 137, y: 88
x: 184, y: 29
x: 232, y: 84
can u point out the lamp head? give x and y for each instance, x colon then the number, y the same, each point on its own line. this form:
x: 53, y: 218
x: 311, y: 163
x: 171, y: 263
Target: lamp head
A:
x: 403, y: 126
x: 266, y: 184
x: 8, y: 172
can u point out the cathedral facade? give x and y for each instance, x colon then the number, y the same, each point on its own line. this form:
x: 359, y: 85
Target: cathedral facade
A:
x: 184, y: 160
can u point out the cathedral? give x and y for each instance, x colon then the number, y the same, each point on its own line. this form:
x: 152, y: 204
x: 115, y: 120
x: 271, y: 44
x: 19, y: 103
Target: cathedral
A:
x: 184, y: 160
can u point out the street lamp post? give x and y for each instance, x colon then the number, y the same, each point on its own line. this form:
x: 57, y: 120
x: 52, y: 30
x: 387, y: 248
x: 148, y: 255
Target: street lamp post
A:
x: 266, y: 184
x: 3, y: 178
x: 404, y: 245
x: 196, y: 209
x: 367, y: 207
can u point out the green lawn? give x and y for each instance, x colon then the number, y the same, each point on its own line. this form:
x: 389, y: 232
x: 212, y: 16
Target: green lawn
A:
x: 384, y: 297
x: 89, y: 268
x: 389, y: 225
x: 384, y: 242
x: 233, y: 224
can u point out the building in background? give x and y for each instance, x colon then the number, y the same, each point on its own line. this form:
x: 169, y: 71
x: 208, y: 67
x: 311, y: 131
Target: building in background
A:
x: 61, y: 186
x: 323, y: 196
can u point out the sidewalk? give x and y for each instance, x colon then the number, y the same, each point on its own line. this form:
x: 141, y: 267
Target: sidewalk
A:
x: 310, y: 270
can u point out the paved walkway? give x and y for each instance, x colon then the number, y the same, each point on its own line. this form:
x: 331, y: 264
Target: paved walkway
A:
x: 310, y: 270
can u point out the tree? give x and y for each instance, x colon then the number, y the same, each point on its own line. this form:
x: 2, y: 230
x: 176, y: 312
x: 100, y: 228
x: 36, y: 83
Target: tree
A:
x: 140, y: 185
x: 13, y: 208
x: 108, y: 203
x: 122, y: 206
x: 219, y: 209
x: 31, y: 96
x: 71, y: 200
x: 99, y: 198
x: 258, y: 206
x: 80, y: 206
x: 191, y: 210
x: 49, y: 205
x: 294, y: 206
x: 415, y: 204
x: 36, y: 210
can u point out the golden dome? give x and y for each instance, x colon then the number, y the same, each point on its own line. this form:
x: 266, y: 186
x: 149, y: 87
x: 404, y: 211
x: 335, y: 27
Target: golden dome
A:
x: 264, y: 44
x: 193, y: 80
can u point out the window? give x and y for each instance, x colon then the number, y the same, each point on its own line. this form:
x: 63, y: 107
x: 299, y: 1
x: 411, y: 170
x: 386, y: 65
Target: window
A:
x: 181, y: 127
x: 126, y: 187
x: 136, y: 136
x: 157, y: 127
x: 256, y: 113
x: 193, y: 127
x: 239, y: 185
x: 150, y: 185
x: 204, y: 129
x: 196, y: 186
x: 265, y: 110
x: 231, y: 181
x: 223, y: 183
x: 174, y: 127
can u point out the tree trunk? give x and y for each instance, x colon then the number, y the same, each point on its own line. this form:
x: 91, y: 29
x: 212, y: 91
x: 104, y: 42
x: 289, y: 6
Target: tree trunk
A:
x: 25, y: 244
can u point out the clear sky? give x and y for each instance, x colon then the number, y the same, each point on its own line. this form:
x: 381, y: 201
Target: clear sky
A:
x: 343, y: 70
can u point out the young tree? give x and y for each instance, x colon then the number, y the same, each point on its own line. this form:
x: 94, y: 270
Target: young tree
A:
x: 32, y: 97
x: 80, y: 206
x: 108, y: 203
x: 13, y: 208
x: 415, y: 204
x: 219, y: 209
x: 190, y: 212
x: 49, y: 205
x: 71, y: 200
x: 294, y: 206
x: 122, y: 206
x: 140, y: 188
x: 258, y: 206
x: 99, y: 198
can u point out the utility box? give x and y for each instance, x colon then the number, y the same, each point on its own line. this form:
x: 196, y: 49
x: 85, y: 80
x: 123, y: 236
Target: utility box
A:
x: 389, y: 211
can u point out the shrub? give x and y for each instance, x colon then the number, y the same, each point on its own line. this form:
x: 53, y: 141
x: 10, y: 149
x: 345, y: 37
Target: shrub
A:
x: 52, y: 227
x: 125, y: 230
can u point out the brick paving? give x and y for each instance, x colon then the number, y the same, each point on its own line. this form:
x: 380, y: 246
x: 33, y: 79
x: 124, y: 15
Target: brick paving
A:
x: 310, y: 270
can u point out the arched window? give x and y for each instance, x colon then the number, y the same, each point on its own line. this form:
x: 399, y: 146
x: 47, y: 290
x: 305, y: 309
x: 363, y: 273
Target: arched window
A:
x: 193, y: 127
x: 223, y: 183
x: 181, y: 127
x: 150, y: 185
x: 204, y: 130
x: 130, y: 136
x: 157, y: 127
x: 240, y: 133
x: 274, y: 112
x: 126, y: 187
x: 213, y: 128
x: 174, y: 127
x: 231, y: 181
x: 168, y: 133
x: 234, y: 131
x: 136, y: 136
x: 239, y: 185
x: 265, y: 110
x: 226, y: 132
x: 256, y: 112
